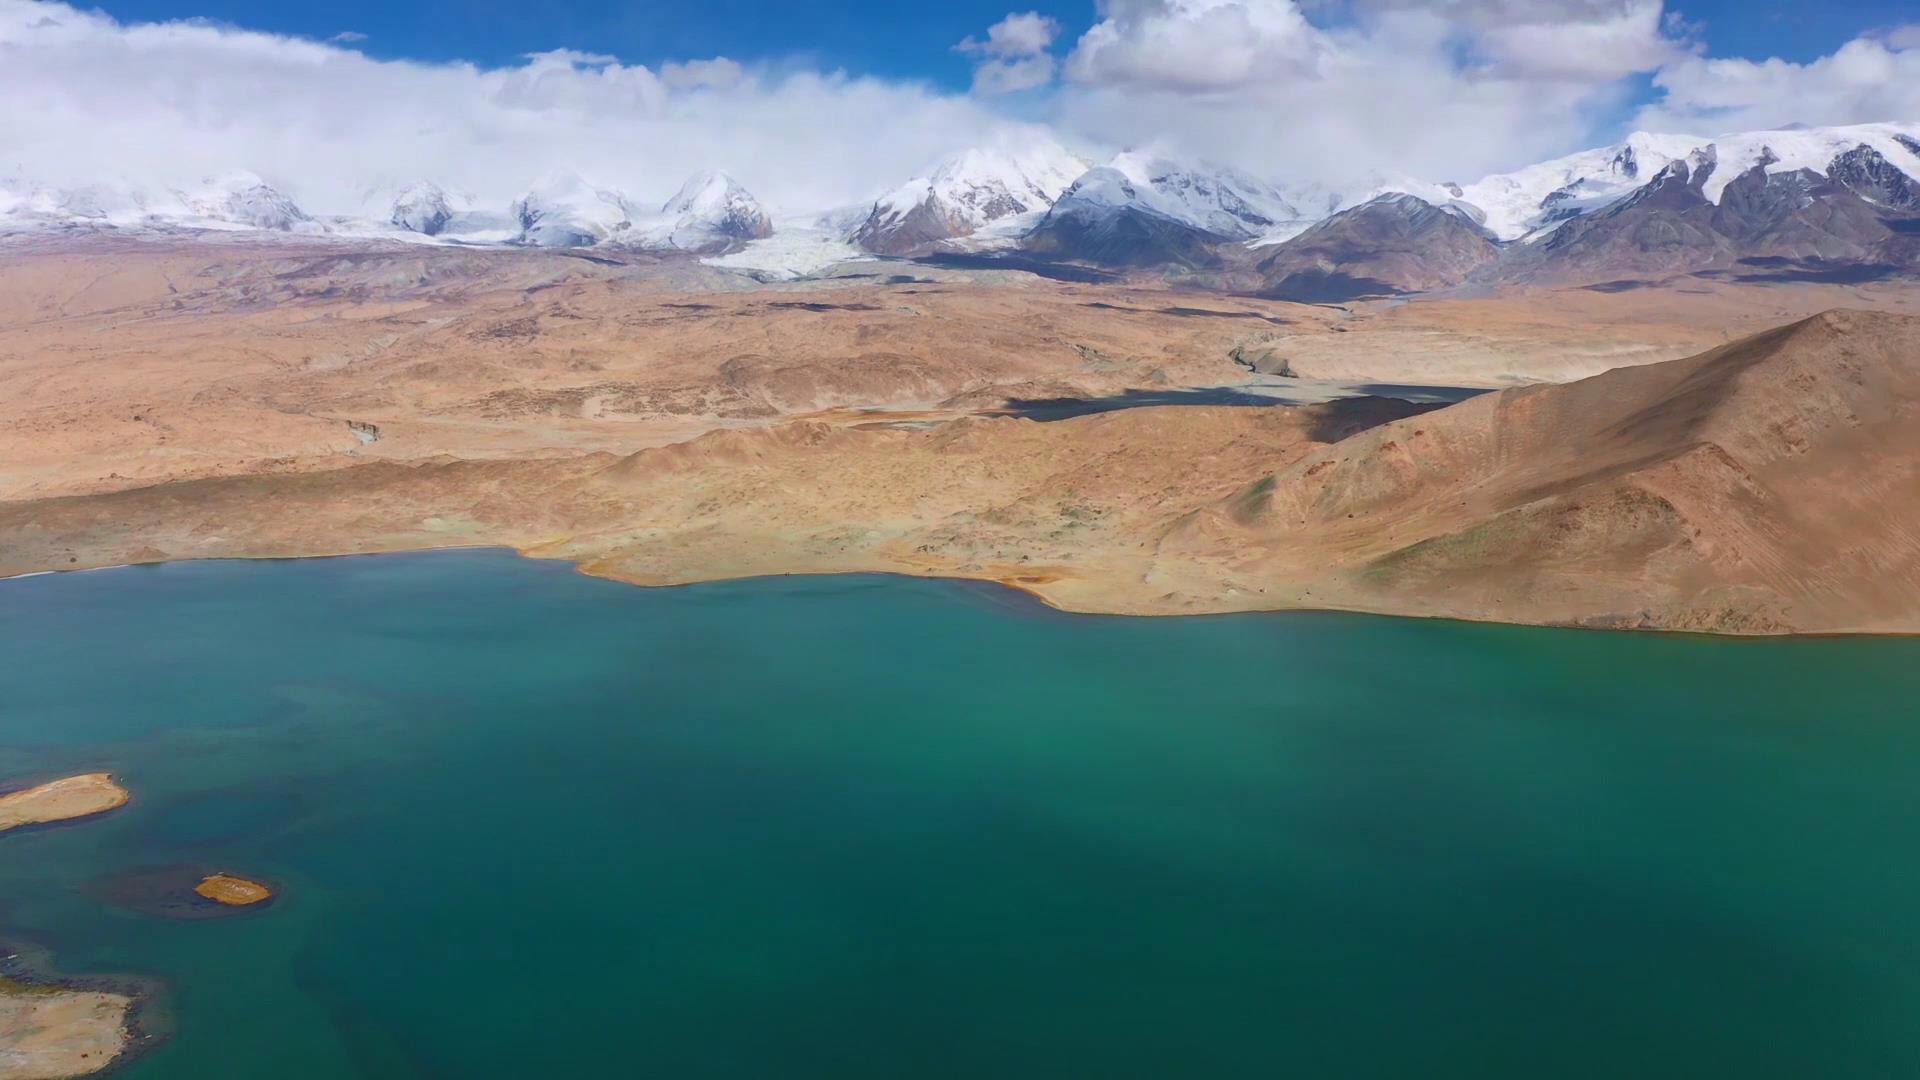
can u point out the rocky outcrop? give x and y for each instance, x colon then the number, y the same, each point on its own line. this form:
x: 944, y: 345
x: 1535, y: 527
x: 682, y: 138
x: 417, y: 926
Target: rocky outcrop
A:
x: 1392, y: 244
x: 1868, y: 174
x: 1764, y: 221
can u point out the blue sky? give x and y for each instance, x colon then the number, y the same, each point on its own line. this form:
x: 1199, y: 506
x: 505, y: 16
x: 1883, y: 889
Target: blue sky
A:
x: 869, y: 37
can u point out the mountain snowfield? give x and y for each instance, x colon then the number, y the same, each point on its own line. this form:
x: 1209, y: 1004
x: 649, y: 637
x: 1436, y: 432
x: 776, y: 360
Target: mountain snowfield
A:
x: 1212, y: 199
x: 1533, y: 200
x: 1514, y: 205
x: 237, y: 201
x: 711, y: 213
x: 968, y: 192
x: 987, y: 197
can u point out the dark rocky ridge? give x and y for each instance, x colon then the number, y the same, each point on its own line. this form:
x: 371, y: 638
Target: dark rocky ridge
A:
x: 1128, y: 237
x: 1857, y: 220
x: 1393, y: 244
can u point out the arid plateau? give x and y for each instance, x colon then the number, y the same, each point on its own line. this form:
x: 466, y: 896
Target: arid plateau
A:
x: 1707, y: 455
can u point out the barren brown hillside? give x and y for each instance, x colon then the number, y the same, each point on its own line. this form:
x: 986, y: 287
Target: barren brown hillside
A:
x: 1772, y: 485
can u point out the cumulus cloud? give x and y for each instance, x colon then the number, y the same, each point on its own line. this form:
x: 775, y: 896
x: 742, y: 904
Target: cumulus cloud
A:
x: 718, y: 73
x: 1583, y: 40
x: 1196, y: 45
x: 1547, y: 39
x: 1019, y: 34
x: 92, y: 99
x: 1014, y: 55
x: 1452, y: 88
x: 1009, y: 76
x: 1869, y: 78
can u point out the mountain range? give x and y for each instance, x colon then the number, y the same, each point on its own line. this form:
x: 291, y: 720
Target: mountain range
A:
x: 1840, y: 203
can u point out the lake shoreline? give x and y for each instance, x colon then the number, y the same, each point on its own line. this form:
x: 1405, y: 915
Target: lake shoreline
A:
x: 27, y: 971
x: 583, y: 566
x: 831, y: 798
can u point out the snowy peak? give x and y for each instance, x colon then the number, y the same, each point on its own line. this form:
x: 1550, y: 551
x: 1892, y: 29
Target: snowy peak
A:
x: 1211, y: 198
x: 1516, y: 204
x: 966, y: 192
x: 713, y: 212
x: 424, y: 208
x: 1141, y: 209
x: 1879, y: 161
x: 564, y: 210
x: 235, y: 201
x: 93, y: 203
x: 1815, y: 150
x: 246, y: 200
x: 1868, y: 173
x: 1393, y: 243
x: 1144, y: 210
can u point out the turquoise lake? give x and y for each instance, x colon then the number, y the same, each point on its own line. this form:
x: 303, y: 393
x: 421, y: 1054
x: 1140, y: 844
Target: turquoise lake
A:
x: 527, y: 823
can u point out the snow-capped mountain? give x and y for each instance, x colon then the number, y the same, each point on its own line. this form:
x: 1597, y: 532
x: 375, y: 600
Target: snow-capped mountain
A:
x: 1733, y: 207
x: 24, y: 203
x: 1219, y: 200
x: 711, y: 213
x: 1825, y: 151
x: 1535, y: 200
x: 1649, y: 206
x: 234, y: 201
x: 425, y: 208
x: 564, y: 210
x: 1830, y: 204
x: 1394, y: 243
x: 1516, y: 204
x: 246, y: 200
x: 966, y: 192
x: 1141, y: 209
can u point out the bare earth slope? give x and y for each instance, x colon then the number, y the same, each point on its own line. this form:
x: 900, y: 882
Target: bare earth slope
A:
x: 1771, y: 485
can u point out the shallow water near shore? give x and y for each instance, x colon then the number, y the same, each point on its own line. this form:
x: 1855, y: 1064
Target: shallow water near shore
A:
x: 522, y: 822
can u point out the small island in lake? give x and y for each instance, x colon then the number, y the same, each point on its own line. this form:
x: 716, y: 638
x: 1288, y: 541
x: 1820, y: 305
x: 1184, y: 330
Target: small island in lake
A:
x: 61, y: 800
x: 47, y: 1032
x: 55, y: 1031
x: 232, y: 891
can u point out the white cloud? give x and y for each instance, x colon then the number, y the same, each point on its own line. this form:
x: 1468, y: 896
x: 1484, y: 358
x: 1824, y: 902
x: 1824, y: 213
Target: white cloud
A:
x: 1019, y: 34
x: 1014, y: 55
x: 718, y: 73
x: 1600, y: 40
x: 91, y: 99
x: 347, y: 37
x: 1009, y: 76
x: 1196, y: 45
x: 1450, y: 89
x: 1867, y: 79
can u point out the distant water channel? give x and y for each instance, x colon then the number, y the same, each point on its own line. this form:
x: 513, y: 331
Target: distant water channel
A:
x: 1274, y: 390
x: 526, y: 823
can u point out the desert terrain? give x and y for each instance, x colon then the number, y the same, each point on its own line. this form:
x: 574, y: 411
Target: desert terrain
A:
x: 1746, y: 464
